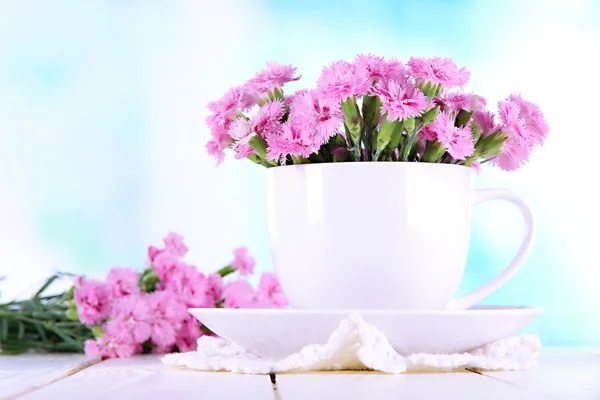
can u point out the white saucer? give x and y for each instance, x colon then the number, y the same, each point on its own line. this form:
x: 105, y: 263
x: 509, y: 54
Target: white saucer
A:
x: 281, y: 332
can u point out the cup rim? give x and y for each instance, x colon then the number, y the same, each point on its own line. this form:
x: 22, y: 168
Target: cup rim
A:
x: 404, y: 164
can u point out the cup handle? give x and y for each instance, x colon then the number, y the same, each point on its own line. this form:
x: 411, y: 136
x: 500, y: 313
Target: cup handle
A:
x: 479, y: 196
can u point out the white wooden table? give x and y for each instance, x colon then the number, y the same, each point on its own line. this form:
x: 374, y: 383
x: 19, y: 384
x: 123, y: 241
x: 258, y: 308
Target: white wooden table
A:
x: 562, y: 373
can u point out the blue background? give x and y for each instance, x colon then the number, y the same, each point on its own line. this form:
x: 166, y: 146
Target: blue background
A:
x: 102, y: 107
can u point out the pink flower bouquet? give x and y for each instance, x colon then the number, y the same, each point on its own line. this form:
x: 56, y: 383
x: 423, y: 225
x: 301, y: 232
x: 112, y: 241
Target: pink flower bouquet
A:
x: 373, y: 110
x: 130, y: 312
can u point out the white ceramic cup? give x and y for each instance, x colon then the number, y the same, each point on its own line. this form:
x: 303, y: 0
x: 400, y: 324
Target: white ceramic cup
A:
x: 378, y: 235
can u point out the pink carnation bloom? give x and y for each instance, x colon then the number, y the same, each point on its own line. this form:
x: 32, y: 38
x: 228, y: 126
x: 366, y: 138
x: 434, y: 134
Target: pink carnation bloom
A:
x: 377, y: 68
x: 114, y: 343
x: 235, y: 99
x: 293, y: 139
x: 219, y: 142
x: 168, y: 314
x: 215, y: 287
x: 165, y: 264
x: 453, y: 102
x: 428, y: 133
x: 274, y: 76
x: 243, y: 261
x: 290, y: 99
x: 524, y: 124
x: 152, y: 253
x: 93, y: 301
x: 188, y: 334
x: 191, y: 287
x: 239, y: 294
x: 267, y: 119
x: 400, y: 100
x: 240, y: 129
x: 243, y: 151
x: 486, y: 121
x: 174, y: 245
x: 458, y: 141
x: 476, y: 165
x: 122, y: 282
x: 134, y: 312
x: 513, y: 156
x: 524, y: 119
x: 342, y: 80
x: 438, y: 70
x: 270, y: 290
x: 323, y: 116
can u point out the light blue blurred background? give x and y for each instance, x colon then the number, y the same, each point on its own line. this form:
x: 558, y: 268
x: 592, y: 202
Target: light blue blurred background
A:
x: 102, y: 107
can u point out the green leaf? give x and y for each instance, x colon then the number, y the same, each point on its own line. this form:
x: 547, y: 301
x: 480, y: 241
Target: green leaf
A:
x: 45, y: 286
x: 462, y: 118
x: 4, y: 330
x: 433, y: 151
x: 21, y: 330
x: 260, y: 146
x: 371, y: 110
x: 490, y: 145
x: 353, y: 121
x: 430, y: 116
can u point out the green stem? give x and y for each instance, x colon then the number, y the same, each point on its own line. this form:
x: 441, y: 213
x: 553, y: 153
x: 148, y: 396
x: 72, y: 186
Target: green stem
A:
x: 229, y: 269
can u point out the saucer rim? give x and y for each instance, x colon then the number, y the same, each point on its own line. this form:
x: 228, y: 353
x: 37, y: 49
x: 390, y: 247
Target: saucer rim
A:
x: 476, y: 311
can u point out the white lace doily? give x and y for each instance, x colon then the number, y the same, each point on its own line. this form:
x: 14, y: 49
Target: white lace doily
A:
x: 357, y: 345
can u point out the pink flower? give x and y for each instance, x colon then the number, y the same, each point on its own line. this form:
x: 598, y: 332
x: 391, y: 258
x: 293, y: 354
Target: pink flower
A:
x: 243, y: 151
x: 428, y: 133
x: 513, y: 156
x: 476, y: 165
x: 293, y: 139
x: 219, y: 142
x: 235, y: 99
x: 400, y: 100
x: 486, y: 121
x: 525, y: 126
x: 168, y: 314
x: 453, y: 102
x: 188, y: 335
x: 323, y: 116
x: 240, y: 129
x: 93, y: 302
x: 267, y: 119
x: 134, y: 313
x: 189, y: 286
x: 215, y: 287
x: 239, y: 294
x: 290, y: 99
x: 174, y: 245
x: 458, y: 141
x: 377, y: 68
x: 122, y: 282
x: 270, y: 291
x: 342, y: 80
x: 152, y: 253
x: 438, y: 70
x: 274, y: 76
x: 114, y: 343
x: 523, y: 119
x: 164, y: 265
x: 243, y: 261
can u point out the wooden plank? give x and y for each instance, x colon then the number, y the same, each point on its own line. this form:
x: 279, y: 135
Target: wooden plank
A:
x: 562, y: 373
x: 144, y: 377
x: 24, y: 373
x: 373, y: 386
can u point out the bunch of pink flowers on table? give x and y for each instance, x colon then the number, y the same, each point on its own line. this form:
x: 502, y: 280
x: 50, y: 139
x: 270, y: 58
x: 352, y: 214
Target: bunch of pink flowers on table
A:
x: 131, y: 313
x: 373, y: 109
